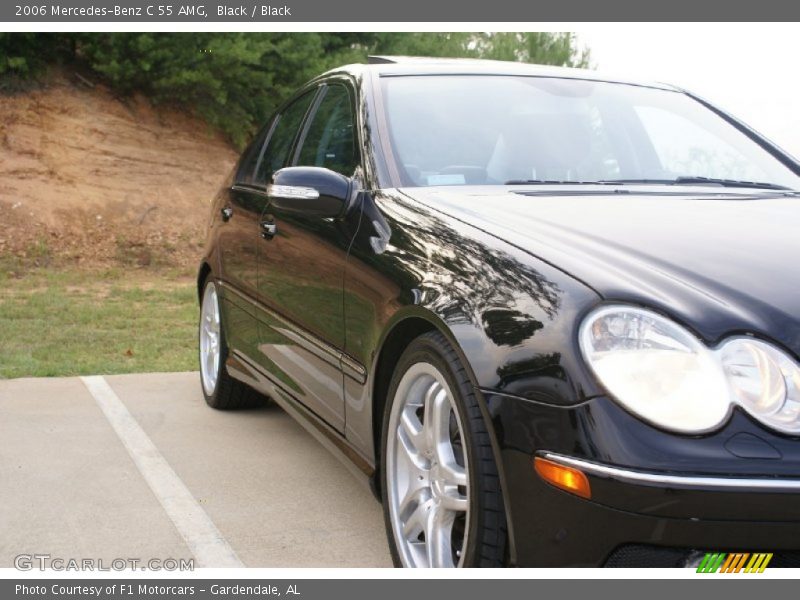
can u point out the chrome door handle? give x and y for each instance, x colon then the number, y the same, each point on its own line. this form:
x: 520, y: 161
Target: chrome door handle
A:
x: 268, y: 229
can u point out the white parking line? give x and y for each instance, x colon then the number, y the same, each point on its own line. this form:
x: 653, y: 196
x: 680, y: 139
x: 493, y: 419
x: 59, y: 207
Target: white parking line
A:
x: 205, y: 541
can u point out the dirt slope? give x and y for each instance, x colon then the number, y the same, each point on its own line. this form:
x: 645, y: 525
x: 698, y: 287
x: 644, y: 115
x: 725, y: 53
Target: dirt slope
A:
x: 88, y: 178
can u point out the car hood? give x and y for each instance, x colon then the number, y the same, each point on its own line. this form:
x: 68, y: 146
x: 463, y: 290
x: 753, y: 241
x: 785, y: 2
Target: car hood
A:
x: 723, y: 263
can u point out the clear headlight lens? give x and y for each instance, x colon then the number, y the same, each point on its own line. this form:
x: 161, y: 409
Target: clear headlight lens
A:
x: 764, y: 381
x: 665, y: 375
x: 655, y: 368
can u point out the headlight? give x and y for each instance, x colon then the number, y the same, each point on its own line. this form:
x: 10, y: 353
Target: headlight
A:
x: 661, y: 372
x: 764, y: 381
x: 655, y: 368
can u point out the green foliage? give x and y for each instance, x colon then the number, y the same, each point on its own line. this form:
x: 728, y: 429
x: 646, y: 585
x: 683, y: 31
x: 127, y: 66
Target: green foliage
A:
x: 543, y: 48
x: 235, y: 80
x: 534, y: 47
x: 24, y: 56
x: 15, y: 52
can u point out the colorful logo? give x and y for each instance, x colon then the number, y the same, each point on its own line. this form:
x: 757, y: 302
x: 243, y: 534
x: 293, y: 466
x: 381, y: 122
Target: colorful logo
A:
x: 720, y: 562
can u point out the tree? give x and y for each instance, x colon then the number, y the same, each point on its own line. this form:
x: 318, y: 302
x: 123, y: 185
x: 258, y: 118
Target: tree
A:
x: 542, y: 48
x: 25, y: 55
x: 532, y: 47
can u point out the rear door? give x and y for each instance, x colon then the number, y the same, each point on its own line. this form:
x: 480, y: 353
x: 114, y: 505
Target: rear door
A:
x: 301, y: 265
x: 238, y: 243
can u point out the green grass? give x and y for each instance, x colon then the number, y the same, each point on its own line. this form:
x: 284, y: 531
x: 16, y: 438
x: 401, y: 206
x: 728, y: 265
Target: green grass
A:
x: 58, y: 322
x: 68, y: 321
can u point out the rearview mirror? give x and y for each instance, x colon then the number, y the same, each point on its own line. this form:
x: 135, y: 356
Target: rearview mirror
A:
x: 310, y: 191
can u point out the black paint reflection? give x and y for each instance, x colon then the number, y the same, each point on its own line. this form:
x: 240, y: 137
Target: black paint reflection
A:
x: 509, y: 327
x: 470, y: 281
x: 513, y: 315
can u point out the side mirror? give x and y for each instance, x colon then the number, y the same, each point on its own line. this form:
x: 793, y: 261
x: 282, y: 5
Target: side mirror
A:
x: 310, y: 191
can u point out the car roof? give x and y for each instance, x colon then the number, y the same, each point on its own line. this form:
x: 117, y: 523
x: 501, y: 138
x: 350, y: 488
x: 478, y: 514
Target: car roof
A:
x: 418, y: 65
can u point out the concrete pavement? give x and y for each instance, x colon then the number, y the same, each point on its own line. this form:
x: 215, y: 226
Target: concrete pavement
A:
x: 71, y: 489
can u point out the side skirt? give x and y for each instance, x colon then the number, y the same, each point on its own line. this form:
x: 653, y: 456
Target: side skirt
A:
x: 246, y: 371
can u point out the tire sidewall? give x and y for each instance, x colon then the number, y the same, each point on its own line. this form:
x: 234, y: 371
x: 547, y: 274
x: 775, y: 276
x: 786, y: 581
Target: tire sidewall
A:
x: 211, y: 399
x: 425, y: 349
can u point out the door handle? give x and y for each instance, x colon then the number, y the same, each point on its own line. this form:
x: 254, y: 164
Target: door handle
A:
x: 227, y: 213
x: 268, y: 229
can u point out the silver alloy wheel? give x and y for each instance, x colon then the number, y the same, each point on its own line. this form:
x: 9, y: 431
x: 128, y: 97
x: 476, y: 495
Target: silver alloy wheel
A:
x: 209, y: 339
x: 427, y: 471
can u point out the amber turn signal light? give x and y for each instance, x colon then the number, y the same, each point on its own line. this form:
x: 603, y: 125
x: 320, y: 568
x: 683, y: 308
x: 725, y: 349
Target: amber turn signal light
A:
x: 566, y: 478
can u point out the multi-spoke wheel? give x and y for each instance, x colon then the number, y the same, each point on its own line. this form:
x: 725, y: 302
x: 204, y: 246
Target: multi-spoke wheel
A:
x: 442, y: 509
x: 219, y: 388
x: 209, y: 339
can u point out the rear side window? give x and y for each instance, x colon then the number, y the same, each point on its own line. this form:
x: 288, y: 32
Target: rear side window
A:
x: 330, y: 140
x: 276, y: 154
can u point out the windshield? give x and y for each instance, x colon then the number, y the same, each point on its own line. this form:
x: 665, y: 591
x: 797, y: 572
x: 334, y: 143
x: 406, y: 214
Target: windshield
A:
x: 474, y: 129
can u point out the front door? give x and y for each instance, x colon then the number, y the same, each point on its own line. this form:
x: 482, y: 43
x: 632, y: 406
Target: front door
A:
x: 301, y: 267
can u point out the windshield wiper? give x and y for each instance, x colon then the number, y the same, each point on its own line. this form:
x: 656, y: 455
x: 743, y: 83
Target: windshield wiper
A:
x: 684, y: 180
x: 699, y: 180
x: 557, y: 182
x: 732, y: 183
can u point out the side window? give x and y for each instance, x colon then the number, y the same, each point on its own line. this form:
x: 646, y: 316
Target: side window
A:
x: 249, y: 158
x: 276, y: 154
x: 330, y: 141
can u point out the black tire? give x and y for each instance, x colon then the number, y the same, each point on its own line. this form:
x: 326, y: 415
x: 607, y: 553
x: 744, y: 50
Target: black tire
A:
x: 229, y: 393
x: 486, y: 540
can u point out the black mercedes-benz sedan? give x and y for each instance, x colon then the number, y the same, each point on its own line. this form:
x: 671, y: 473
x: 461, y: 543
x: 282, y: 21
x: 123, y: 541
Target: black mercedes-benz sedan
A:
x: 552, y: 318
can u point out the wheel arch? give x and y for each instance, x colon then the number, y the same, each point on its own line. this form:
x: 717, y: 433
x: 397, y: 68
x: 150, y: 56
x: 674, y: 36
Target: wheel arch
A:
x: 397, y: 337
x: 202, y: 274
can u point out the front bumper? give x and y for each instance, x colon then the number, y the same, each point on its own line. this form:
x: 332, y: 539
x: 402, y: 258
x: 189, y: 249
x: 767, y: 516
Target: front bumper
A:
x: 654, y: 493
